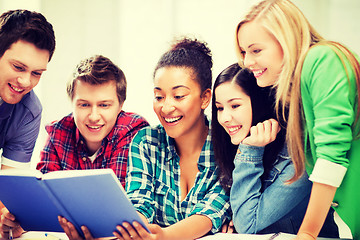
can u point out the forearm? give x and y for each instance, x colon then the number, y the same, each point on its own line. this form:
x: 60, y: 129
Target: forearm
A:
x: 317, y: 210
x: 192, y: 227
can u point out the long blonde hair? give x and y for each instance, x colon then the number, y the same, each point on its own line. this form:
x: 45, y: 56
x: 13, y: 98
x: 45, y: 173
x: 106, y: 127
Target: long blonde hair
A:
x: 296, y: 36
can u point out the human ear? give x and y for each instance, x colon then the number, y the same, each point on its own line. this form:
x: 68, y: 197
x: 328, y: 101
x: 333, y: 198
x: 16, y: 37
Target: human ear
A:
x: 205, y: 98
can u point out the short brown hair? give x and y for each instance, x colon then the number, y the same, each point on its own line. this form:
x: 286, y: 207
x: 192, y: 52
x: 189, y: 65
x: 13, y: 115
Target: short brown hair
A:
x: 28, y: 26
x: 97, y: 70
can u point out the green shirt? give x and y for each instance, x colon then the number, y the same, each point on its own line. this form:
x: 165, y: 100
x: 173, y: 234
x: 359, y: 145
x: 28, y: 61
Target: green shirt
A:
x: 153, y: 181
x: 329, y: 101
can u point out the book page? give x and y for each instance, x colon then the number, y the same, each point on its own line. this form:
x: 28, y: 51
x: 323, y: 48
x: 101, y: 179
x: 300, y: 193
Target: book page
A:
x: 77, y: 173
x: 235, y: 236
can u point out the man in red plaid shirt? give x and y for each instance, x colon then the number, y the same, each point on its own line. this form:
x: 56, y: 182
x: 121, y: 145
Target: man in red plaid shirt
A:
x: 98, y: 133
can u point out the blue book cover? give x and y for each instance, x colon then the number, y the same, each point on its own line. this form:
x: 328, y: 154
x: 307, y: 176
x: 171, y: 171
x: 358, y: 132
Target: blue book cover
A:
x: 94, y: 198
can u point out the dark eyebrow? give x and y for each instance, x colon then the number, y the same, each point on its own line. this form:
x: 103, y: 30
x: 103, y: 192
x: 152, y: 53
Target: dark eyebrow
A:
x: 233, y: 99
x: 180, y: 86
x: 25, y: 66
x: 176, y: 87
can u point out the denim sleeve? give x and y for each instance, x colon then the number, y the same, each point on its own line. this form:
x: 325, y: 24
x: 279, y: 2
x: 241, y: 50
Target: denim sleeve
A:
x: 255, y: 208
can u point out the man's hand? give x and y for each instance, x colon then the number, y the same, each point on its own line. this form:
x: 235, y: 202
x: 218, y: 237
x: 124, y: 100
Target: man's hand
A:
x: 7, y: 221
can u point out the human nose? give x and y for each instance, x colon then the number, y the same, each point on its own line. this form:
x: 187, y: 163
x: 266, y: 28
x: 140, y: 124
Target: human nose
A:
x: 94, y: 114
x: 248, y: 60
x: 24, y: 80
x: 224, y: 117
x: 167, y: 106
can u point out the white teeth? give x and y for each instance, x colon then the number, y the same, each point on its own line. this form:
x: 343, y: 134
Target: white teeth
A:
x: 94, y: 127
x: 232, y: 129
x: 257, y: 73
x: 16, y: 89
x: 171, y: 120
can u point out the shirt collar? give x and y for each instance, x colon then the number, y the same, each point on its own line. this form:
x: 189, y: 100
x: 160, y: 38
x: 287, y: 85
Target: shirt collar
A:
x: 207, y: 149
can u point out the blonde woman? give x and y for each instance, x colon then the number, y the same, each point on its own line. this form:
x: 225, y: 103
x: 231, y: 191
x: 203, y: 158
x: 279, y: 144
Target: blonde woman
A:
x: 317, y: 84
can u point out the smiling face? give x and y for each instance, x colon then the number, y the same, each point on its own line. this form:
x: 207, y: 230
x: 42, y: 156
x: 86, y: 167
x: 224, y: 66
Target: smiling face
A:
x: 261, y: 53
x: 178, y: 101
x: 95, y: 109
x: 234, y: 111
x: 21, y: 67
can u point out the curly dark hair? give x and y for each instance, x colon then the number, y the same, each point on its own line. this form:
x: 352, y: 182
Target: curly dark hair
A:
x: 193, y: 54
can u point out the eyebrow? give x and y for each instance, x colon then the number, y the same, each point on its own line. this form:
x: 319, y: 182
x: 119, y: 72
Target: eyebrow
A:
x: 26, y: 66
x: 174, y: 88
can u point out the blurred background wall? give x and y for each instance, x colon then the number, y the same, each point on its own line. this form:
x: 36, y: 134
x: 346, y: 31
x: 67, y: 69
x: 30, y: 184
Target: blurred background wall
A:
x: 134, y: 33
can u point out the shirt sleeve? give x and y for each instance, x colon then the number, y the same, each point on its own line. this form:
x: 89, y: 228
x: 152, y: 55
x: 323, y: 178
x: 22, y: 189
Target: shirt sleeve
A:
x: 329, y: 98
x: 120, y: 153
x: 215, y: 204
x: 18, y: 150
x: 139, y: 180
x: 49, y: 157
x: 255, y: 208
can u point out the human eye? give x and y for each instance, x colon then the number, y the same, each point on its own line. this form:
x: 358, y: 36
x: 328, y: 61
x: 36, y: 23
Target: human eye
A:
x: 234, y: 106
x: 179, y: 97
x: 104, y: 105
x: 83, y: 105
x: 256, y: 51
x: 36, y: 74
x: 219, y: 108
x: 18, y: 68
x: 158, y: 98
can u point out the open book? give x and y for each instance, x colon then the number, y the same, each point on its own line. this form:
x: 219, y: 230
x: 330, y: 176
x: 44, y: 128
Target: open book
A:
x: 94, y: 198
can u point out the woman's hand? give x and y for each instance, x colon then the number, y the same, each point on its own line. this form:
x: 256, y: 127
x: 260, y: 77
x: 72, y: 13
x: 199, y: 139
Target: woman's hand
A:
x: 71, y: 231
x: 263, y: 133
x: 7, y: 221
x: 135, y: 231
x: 228, y: 227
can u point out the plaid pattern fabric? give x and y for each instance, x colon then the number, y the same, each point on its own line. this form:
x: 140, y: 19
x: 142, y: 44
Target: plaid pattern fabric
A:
x: 153, y: 181
x: 65, y: 148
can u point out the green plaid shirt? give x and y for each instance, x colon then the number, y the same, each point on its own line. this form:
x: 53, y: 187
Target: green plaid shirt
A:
x: 153, y: 181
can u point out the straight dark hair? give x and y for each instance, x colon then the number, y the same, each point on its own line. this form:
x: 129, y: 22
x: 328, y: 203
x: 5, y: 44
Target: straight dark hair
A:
x: 262, y: 105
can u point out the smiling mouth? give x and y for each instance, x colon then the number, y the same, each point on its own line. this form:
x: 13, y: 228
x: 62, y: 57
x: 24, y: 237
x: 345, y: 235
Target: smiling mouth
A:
x: 259, y: 73
x: 18, y: 90
x: 94, y: 127
x: 233, y: 130
x: 172, y: 119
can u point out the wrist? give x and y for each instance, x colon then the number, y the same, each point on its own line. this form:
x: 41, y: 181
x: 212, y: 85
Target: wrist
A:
x: 305, y: 236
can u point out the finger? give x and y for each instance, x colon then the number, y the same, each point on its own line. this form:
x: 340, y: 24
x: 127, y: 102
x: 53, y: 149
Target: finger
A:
x: 260, y: 129
x: 64, y: 226
x: 87, y: 233
x: 267, y: 131
x: 224, y: 228
x: 275, y: 128
x: 141, y: 231
x: 74, y: 233
x: 132, y: 232
x: 231, y: 227
x: 7, y: 215
x: 253, y: 131
x: 118, y: 233
x: 123, y: 233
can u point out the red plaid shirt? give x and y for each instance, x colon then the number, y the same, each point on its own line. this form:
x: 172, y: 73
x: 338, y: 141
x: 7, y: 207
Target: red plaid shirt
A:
x: 65, y: 148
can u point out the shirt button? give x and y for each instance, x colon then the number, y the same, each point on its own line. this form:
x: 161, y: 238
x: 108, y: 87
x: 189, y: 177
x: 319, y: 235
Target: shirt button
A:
x: 84, y: 159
